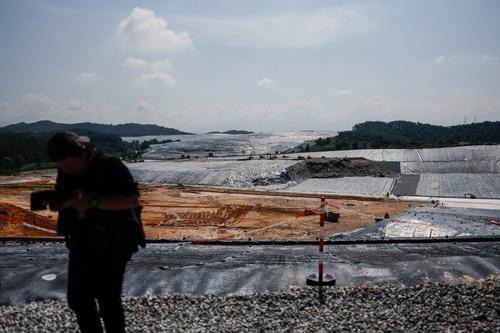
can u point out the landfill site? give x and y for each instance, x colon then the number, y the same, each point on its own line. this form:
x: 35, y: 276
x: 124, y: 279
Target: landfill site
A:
x: 412, y: 240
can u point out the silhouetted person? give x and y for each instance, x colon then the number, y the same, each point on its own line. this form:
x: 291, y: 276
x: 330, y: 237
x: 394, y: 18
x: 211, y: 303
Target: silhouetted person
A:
x: 99, y: 218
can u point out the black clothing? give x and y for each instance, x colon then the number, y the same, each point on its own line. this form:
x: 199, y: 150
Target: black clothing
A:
x: 105, y: 176
x: 100, y: 243
x: 96, y: 276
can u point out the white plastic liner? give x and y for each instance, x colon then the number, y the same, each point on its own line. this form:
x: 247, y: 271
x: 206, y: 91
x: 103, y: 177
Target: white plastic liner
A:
x: 366, y: 186
x: 469, y: 159
x: 217, y: 173
x: 458, y: 184
x: 228, y: 144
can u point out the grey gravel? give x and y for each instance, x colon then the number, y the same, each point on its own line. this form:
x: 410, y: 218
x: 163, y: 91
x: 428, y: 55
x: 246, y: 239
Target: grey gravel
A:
x: 421, y: 308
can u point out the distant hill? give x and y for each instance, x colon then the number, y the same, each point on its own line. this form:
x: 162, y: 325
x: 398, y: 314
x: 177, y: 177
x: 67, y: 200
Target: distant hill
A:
x: 406, y: 134
x: 24, y: 151
x: 129, y: 129
x: 28, y: 151
x: 231, y: 132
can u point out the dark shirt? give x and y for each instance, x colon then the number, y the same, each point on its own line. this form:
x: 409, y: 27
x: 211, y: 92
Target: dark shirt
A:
x: 99, y: 229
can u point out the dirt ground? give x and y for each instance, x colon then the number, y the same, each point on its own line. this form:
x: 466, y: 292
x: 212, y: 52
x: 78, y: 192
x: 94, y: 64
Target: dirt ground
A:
x: 207, y: 213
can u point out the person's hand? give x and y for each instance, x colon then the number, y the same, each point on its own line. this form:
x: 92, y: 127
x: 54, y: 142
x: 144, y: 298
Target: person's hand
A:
x: 79, y: 201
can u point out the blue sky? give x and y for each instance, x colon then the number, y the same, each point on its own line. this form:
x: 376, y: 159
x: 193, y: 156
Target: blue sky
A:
x: 255, y: 65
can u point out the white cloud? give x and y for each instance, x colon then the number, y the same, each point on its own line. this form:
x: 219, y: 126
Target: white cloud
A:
x: 38, y: 99
x: 153, y: 73
x: 163, y: 65
x: 77, y: 105
x: 135, y: 63
x: 448, y: 108
x: 87, y: 77
x: 284, y: 30
x: 486, y: 57
x: 38, y: 105
x: 150, y: 79
x: 144, y: 106
x: 160, y: 66
x: 440, y: 59
x: 32, y: 107
x: 144, y: 31
x: 298, y: 113
x: 297, y: 110
x: 266, y: 84
x: 462, y: 59
x: 343, y: 92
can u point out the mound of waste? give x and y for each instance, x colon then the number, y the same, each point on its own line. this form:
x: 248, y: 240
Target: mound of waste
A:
x: 336, y: 168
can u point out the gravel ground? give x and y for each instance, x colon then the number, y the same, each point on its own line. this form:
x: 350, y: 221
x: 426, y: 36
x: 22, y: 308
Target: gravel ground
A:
x: 423, y: 308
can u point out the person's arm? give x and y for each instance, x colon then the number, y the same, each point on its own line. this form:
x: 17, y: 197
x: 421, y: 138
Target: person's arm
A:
x: 123, y: 193
x: 82, y: 201
x: 115, y: 202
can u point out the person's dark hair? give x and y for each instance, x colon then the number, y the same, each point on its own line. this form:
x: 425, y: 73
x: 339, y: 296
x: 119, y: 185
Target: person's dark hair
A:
x: 67, y: 144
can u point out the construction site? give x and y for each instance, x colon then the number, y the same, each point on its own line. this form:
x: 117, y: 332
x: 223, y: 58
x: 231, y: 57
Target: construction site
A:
x: 227, y: 227
x: 208, y: 213
x: 250, y: 166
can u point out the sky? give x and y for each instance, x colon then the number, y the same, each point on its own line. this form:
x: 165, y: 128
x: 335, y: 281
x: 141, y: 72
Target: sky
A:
x: 254, y: 65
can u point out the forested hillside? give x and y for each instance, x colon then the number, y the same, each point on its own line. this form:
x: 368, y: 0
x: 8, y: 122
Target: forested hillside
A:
x: 129, y: 129
x: 27, y: 151
x: 406, y: 134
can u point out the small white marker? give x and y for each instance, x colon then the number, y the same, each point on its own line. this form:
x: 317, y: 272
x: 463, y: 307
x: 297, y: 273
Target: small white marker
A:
x: 49, y: 277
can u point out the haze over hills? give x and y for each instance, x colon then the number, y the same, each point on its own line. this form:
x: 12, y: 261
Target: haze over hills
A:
x: 129, y: 129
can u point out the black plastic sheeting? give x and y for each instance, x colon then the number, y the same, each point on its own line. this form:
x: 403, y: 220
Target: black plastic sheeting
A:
x: 236, y: 269
x: 390, y: 165
x: 406, y: 185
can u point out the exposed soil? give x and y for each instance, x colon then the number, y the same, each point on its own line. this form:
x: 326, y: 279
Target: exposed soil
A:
x: 251, y: 215
x: 20, y: 222
x: 208, y: 213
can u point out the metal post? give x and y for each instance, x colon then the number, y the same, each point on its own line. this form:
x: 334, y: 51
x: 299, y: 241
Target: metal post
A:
x: 321, y: 278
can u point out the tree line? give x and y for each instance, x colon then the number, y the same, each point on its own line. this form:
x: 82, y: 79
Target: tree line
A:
x: 406, y: 134
x: 129, y: 129
x: 28, y: 151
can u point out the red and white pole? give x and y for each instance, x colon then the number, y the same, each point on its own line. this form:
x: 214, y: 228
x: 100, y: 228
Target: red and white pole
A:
x: 321, y: 239
x: 321, y: 278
